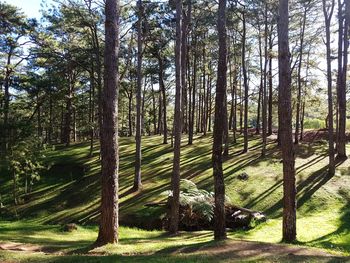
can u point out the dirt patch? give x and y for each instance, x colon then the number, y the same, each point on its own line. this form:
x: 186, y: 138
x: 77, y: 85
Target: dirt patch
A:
x: 230, y: 249
x: 238, y: 249
x: 12, y: 246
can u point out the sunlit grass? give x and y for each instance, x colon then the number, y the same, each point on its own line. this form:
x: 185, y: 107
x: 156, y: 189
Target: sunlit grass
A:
x: 70, y: 193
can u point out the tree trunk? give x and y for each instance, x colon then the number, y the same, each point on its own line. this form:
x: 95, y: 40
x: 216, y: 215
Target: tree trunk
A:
x: 270, y: 85
x: 154, y: 110
x: 193, y: 100
x: 184, y: 55
x: 108, y: 230
x: 137, y: 178
x: 286, y: 134
x: 130, y: 95
x: 297, y: 117
x: 175, y: 179
x: 264, y: 95
x: 245, y: 80
x: 219, y: 185
x: 92, y: 108
x: 328, y: 13
x: 162, y: 89
x: 342, y: 72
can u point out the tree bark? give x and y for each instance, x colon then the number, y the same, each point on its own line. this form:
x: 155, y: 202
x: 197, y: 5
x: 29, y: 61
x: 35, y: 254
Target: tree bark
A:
x: 328, y: 13
x: 286, y: 135
x: 108, y: 230
x: 175, y: 179
x: 137, y: 177
x: 220, y: 108
x: 342, y: 71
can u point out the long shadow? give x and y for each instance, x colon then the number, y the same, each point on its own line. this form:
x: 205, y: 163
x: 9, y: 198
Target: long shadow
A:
x: 265, y: 194
x: 305, y: 189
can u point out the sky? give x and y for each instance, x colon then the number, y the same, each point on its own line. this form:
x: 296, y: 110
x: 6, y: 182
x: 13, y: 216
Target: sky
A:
x: 30, y: 7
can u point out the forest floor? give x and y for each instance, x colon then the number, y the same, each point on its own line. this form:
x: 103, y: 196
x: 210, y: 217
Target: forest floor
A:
x: 69, y: 192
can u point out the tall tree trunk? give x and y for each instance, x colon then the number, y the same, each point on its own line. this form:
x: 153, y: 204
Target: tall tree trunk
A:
x: 264, y: 91
x: 226, y: 133
x: 270, y: 85
x: 342, y: 81
x: 328, y: 13
x: 92, y: 107
x: 297, y: 117
x: 154, y: 110
x: 130, y: 95
x: 184, y: 55
x: 193, y: 100
x: 160, y: 112
x: 246, y: 88
x: 68, y: 114
x: 219, y: 185
x: 7, y: 103
x: 50, y: 130
x: 286, y: 134
x: 137, y: 178
x: 162, y: 89
x: 204, y: 104
x: 210, y: 104
x: 108, y: 230
x: 175, y: 179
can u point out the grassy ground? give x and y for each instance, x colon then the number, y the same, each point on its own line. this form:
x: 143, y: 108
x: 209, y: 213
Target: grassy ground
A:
x: 69, y: 192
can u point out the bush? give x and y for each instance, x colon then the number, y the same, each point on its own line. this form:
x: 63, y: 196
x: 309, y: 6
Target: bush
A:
x: 314, y: 124
x: 199, y: 201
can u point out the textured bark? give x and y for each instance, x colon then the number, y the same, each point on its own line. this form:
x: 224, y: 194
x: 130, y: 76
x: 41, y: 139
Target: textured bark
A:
x: 175, y: 179
x: 108, y: 229
x: 286, y: 135
x: 137, y: 177
x: 220, y: 108
x: 328, y: 13
x: 344, y: 22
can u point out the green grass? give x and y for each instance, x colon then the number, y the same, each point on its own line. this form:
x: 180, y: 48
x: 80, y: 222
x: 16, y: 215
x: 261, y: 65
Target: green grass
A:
x: 135, y: 246
x: 70, y: 190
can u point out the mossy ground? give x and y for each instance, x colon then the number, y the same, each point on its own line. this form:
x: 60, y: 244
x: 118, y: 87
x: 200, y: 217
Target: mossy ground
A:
x: 69, y: 192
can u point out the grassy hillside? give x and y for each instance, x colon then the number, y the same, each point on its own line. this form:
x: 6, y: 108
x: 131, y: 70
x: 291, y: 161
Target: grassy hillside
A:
x: 69, y: 191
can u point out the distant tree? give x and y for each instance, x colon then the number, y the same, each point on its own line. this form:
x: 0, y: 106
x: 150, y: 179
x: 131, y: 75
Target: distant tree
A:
x: 14, y: 27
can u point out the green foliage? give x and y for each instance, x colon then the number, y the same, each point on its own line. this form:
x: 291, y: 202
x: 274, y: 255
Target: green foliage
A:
x: 314, y: 124
x: 199, y: 200
x: 25, y: 164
